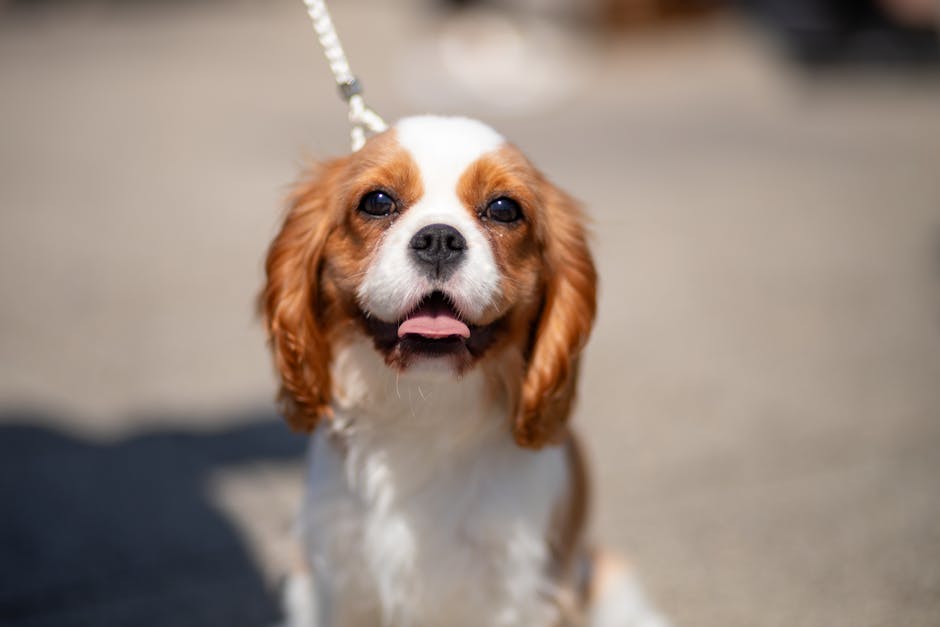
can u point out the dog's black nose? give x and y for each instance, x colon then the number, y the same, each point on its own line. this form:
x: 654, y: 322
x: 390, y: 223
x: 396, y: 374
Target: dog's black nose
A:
x: 439, y: 248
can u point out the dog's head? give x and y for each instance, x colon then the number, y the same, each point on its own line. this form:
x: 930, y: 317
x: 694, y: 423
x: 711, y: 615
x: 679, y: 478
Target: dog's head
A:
x: 441, y: 243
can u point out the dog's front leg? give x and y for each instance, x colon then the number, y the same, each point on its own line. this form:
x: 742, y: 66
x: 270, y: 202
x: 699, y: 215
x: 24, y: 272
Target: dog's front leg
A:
x: 302, y: 607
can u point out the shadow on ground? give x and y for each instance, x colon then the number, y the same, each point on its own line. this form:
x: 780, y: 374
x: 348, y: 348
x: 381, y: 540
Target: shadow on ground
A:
x: 125, y: 533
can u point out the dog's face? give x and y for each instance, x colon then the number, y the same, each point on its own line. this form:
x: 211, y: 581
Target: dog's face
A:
x: 442, y: 244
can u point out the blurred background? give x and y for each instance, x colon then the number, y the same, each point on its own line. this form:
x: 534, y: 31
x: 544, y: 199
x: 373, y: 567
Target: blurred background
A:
x: 761, y: 398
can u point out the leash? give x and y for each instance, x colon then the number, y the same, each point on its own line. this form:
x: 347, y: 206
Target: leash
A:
x: 362, y: 118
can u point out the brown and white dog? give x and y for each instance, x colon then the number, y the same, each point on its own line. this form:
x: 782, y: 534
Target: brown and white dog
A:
x: 427, y: 300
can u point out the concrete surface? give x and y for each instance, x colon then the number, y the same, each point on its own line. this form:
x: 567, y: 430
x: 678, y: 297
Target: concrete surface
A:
x: 761, y: 399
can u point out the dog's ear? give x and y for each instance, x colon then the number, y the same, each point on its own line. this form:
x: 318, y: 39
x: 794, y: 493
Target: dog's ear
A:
x: 563, y: 326
x: 290, y: 301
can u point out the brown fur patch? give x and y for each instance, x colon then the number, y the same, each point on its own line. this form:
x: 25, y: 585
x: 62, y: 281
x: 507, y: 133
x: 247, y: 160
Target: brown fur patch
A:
x: 569, y: 555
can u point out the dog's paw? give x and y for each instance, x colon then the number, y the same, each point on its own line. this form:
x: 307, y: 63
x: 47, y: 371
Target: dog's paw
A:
x: 616, y: 597
x: 298, y: 600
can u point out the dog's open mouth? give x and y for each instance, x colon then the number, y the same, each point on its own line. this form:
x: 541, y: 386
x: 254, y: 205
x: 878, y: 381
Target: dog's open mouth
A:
x: 432, y: 328
x: 434, y: 319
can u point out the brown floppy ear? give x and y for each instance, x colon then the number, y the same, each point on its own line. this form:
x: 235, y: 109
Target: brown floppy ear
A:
x: 289, y: 302
x: 567, y: 315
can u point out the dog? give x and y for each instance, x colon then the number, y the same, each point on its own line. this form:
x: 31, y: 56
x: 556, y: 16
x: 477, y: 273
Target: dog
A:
x: 427, y: 301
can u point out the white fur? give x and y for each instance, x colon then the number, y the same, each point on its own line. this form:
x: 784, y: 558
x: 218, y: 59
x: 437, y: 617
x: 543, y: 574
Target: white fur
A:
x: 443, y: 149
x: 619, y: 600
x: 299, y: 602
x: 428, y: 513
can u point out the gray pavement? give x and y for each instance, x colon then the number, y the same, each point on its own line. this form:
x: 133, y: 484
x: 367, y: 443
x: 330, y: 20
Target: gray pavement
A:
x: 761, y: 399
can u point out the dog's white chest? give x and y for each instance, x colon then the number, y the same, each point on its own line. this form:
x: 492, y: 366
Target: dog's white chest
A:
x: 433, y: 518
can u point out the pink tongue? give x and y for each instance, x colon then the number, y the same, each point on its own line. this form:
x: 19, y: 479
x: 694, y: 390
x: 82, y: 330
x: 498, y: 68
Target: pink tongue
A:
x: 433, y: 326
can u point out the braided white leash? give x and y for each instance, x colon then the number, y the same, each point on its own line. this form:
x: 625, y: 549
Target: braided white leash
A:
x: 362, y: 118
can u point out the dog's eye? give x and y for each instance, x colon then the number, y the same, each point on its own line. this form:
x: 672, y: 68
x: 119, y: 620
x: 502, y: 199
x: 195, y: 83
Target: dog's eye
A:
x: 504, y: 209
x: 377, y: 204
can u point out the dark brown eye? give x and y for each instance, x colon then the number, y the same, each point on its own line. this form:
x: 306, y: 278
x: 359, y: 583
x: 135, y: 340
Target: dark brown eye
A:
x: 504, y: 209
x: 377, y: 204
